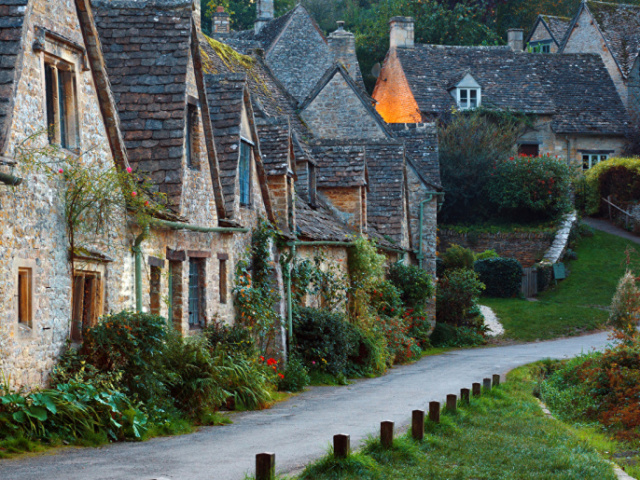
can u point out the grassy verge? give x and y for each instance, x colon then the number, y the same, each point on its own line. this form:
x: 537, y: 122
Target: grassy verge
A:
x: 577, y: 304
x: 502, y: 435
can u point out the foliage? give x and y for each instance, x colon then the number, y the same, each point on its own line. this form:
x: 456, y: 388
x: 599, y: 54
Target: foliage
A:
x: 322, y: 339
x: 296, y: 376
x: 486, y: 255
x: 368, y: 354
x: 445, y: 335
x: 618, y: 177
x: 501, y: 276
x: 601, y: 387
x: 385, y: 299
x: 310, y: 278
x: 366, y: 271
x: 420, y: 327
x: 456, y: 296
x: 625, y: 307
x: 470, y: 143
x: 530, y: 188
x: 255, y: 295
x: 457, y: 257
x: 400, y: 344
x: 230, y: 338
x: 414, y: 284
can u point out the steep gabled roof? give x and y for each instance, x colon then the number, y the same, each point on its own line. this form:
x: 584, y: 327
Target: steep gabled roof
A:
x: 275, y: 144
x: 340, y: 165
x: 620, y: 28
x: 226, y: 96
x: 146, y: 47
x: 421, y: 144
x: 365, y: 99
x: 11, y: 35
x: 558, y: 27
x: 537, y: 84
x: 320, y: 224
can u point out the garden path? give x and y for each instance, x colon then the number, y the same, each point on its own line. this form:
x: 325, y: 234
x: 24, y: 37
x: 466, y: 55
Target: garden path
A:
x: 608, y: 227
x: 491, y: 321
x: 299, y: 430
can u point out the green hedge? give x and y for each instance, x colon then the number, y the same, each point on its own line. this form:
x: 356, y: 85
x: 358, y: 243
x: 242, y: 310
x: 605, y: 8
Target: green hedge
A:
x: 502, y: 276
x: 619, y: 177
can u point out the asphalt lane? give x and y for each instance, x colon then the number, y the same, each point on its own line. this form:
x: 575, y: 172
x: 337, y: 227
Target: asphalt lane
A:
x: 297, y: 431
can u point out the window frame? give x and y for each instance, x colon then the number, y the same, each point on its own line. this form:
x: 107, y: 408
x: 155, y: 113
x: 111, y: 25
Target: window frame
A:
x: 467, y: 94
x: 191, y: 152
x: 199, y: 287
x: 61, y: 103
x: 22, y: 302
x: 245, y: 172
x: 88, y: 315
x: 591, y: 160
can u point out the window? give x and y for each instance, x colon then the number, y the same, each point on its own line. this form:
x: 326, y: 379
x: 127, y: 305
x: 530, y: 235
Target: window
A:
x: 196, y: 300
x: 223, y: 280
x: 192, y: 123
x: 156, y: 275
x: 87, y: 302
x: 175, y: 293
x: 245, y: 173
x: 540, y: 47
x: 468, y: 98
x: 592, y: 159
x: 312, y: 184
x: 62, y: 118
x: 25, y: 296
x: 529, y: 150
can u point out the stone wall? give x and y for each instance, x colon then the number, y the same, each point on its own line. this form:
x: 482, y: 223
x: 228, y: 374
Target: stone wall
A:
x: 348, y: 202
x: 527, y: 248
x: 541, y: 34
x: 337, y: 113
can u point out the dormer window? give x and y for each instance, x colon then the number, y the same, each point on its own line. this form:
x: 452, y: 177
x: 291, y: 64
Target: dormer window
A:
x: 467, y: 93
x: 468, y: 98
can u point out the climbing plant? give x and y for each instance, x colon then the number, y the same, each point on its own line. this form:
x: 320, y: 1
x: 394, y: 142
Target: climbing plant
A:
x: 320, y: 278
x: 255, y: 294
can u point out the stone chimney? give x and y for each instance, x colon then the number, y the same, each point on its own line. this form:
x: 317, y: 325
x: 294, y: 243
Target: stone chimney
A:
x: 197, y: 14
x: 265, y: 14
x: 220, y: 21
x: 515, y: 39
x: 402, y: 32
x: 343, y: 46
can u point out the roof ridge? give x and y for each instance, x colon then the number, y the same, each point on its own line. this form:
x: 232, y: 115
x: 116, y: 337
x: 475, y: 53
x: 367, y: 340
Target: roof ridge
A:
x: 141, y: 4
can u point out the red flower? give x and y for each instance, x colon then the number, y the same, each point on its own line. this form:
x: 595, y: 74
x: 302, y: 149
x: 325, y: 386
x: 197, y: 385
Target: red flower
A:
x: 271, y: 362
x: 281, y: 375
x: 261, y: 358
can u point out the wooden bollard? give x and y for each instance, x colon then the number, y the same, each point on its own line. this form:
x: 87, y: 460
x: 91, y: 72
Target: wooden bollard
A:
x: 496, y: 380
x: 464, y: 396
x: 417, y: 425
x: 486, y: 383
x: 477, y: 389
x: 266, y: 466
x: 452, y: 403
x: 434, y: 412
x: 386, y: 434
x: 341, y: 445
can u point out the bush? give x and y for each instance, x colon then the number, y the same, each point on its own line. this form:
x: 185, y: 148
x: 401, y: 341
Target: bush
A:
x: 400, y: 344
x: 457, y: 257
x: 296, y: 376
x: 415, y: 284
x: 625, y: 307
x: 420, y: 327
x: 322, y: 340
x: 545, y: 276
x: 487, y: 254
x: 501, y: 276
x: 446, y: 335
x: 531, y: 188
x: 619, y: 177
x: 368, y: 354
x: 456, y: 296
x: 385, y: 299
x: 235, y: 338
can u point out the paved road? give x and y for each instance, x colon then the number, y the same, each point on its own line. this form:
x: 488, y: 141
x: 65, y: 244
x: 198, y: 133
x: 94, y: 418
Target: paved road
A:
x: 299, y: 430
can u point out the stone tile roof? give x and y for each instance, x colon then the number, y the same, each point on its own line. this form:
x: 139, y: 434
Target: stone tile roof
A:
x: 421, y: 143
x: 320, y: 224
x: 340, y: 165
x: 537, y: 84
x: 385, y: 205
x: 620, y: 27
x: 275, y: 144
x: 146, y: 48
x: 11, y: 23
x: 557, y: 26
x: 226, y: 95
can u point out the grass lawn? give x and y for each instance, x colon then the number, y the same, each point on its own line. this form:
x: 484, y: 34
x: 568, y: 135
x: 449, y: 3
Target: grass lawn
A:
x: 502, y: 435
x: 575, y: 305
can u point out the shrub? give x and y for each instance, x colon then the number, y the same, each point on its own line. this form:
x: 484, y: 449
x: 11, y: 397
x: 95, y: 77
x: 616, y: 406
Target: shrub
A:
x: 322, y: 340
x: 131, y: 343
x: 445, y: 335
x: 401, y: 346
x: 368, y: 354
x: 619, y: 177
x: 455, y: 299
x: 487, y: 254
x: 545, y: 276
x: 420, y: 327
x: 385, y: 299
x: 501, y: 276
x: 235, y: 338
x: 296, y: 376
x: 248, y: 381
x: 415, y: 284
x: 457, y: 257
x: 625, y: 307
x: 531, y: 188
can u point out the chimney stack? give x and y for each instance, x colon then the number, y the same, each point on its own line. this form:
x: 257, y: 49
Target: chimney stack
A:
x: 265, y: 14
x: 402, y: 32
x: 515, y: 39
x: 343, y: 46
x: 220, y: 21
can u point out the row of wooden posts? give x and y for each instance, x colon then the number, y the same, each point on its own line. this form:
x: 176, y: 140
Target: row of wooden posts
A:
x: 266, y: 462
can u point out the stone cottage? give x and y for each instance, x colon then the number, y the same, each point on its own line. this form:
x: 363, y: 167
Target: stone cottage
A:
x: 576, y: 110
x: 547, y: 34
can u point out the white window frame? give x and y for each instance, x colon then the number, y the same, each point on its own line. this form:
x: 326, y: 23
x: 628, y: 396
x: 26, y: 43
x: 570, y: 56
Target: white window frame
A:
x: 590, y: 160
x: 467, y: 102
